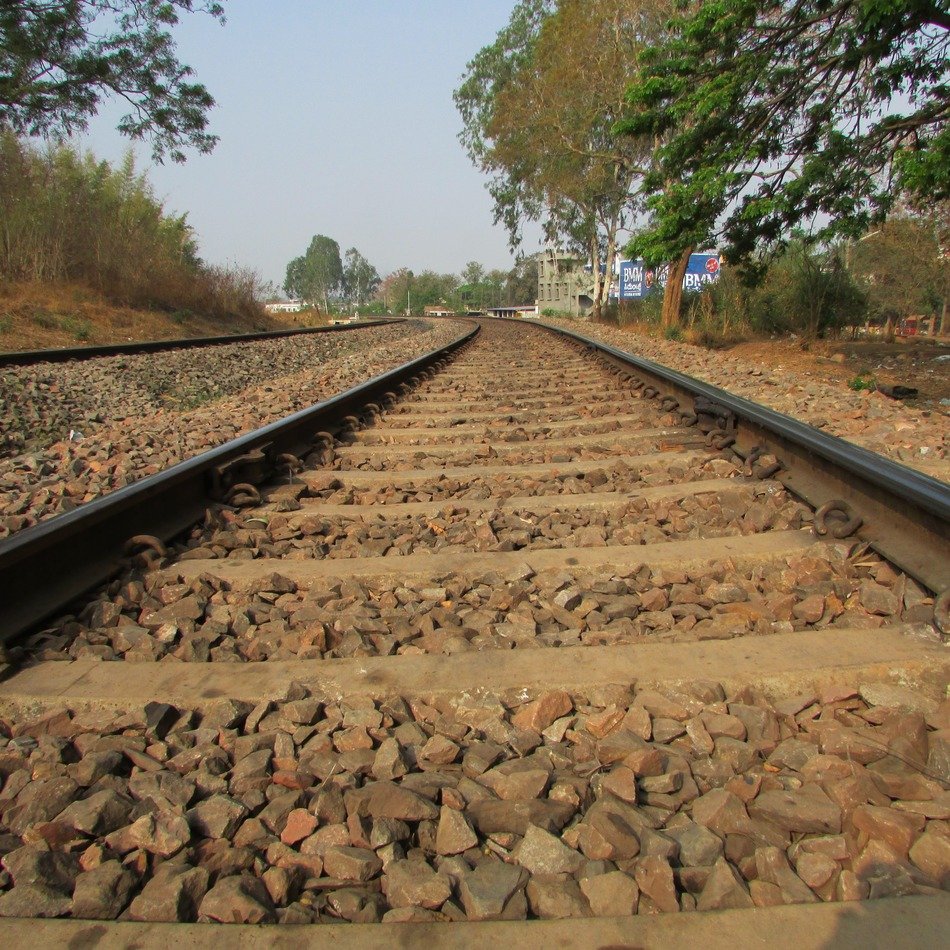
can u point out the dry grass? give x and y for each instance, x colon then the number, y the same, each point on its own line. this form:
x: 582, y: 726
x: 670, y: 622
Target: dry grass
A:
x: 42, y: 316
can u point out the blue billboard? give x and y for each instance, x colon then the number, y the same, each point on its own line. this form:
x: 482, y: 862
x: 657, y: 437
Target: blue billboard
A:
x: 637, y: 280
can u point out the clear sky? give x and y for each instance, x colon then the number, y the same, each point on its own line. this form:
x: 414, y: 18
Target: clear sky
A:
x: 335, y: 117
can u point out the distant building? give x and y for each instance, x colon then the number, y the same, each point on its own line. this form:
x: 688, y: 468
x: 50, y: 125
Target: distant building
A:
x: 284, y: 306
x: 440, y: 310
x: 524, y: 310
x: 564, y: 284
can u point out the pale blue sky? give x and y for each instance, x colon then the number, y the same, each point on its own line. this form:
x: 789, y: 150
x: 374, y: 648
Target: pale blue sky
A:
x: 335, y: 117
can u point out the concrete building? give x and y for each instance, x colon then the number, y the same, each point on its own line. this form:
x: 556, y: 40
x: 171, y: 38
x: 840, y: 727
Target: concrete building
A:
x: 564, y: 285
x: 283, y: 306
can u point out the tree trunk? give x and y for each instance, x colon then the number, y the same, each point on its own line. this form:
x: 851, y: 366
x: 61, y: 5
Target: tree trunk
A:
x: 598, y: 283
x: 609, y: 262
x: 673, y: 291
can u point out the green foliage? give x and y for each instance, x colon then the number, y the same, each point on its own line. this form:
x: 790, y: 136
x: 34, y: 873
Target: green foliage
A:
x: 538, y: 106
x: 77, y: 327
x: 862, y: 381
x: 804, y: 291
x: 521, y: 282
x: 673, y: 333
x: 44, y: 319
x: 68, y: 217
x: 360, y: 278
x: 318, y: 274
x: 779, y: 113
x: 902, y: 266
x: 58, y: 60
x: 6, y: 323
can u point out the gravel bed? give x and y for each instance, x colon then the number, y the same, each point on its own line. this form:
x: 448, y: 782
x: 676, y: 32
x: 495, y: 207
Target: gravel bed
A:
x: 608, y: 803
x: 915, y: 437
x: 161, y: 616
x: 615, y: 476
x: 748, y: 509
x: 137, y: 434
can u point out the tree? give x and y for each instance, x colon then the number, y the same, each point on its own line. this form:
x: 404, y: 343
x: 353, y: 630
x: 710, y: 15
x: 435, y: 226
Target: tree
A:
x: 59, y: 59
x: 902, y: 266
x: 316, y: 275
x: 521, y: 282
x: 473, y: 273
x: 539, y: 106
x: 787, y: 113
x: 360, y: 278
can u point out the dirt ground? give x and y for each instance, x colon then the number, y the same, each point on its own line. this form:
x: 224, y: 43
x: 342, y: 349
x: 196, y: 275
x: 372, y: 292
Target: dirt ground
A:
x: 913, y: 362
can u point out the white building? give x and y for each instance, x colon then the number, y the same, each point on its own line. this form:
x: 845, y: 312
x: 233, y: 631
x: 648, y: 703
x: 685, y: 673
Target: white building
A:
x: 283, y: 306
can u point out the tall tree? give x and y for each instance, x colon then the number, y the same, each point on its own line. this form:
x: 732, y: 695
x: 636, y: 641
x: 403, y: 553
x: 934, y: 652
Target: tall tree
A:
x: 473, y: 273
x: 360, y: 278
x: 59, y: 58
x: 788, y: 113
x: 317, y: 274
x: 542, y: 127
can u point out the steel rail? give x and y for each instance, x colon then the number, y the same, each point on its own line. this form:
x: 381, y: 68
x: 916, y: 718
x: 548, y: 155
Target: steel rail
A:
x: 905, y: 513
x: 65, y: 354
x: 43, y: 569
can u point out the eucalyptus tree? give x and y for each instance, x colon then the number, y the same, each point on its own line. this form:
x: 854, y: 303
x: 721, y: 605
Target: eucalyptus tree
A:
x: 538, y: 108
x: 316, y: 275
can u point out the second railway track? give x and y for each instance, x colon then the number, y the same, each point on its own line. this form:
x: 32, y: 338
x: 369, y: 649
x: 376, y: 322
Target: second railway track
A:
x: 519, y: 640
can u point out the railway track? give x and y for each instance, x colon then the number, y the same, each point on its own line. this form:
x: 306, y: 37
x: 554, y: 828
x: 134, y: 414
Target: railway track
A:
x: 71, y: 353
x: 526, y: 631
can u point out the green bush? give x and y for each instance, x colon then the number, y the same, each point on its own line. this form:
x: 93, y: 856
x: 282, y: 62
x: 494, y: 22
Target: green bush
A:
x: 43, y: 318
x: 79, y: 328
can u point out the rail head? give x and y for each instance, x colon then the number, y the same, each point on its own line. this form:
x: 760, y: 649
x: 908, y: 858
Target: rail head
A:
x: 906, y: 513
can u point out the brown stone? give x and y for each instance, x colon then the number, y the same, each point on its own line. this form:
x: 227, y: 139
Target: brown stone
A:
x: 438, y: 751
x: 897, y: 829
x: 103, y: 892
x: 772, y: 866
x: 807, y: 810
x: 518, y: 785
x: 172, y: 895
x: 556, y: 898
x: 217, y: 817
x: 538, y: 715
x: 492, y: 891
x: 491, y: 817
x: 931, y: 853
x: 816, y: 870
x: 454, y: 834
x: 351, y: 864
x: 386, y: 800
x: 300, y: 824
x: 542, y: 853
x: 724, y: 890
x: 722, y: 812
x: 621, y: 782
x: 164, y: 833
x: 415, y: 884
x: 654, y: 877
x: 238, y: 899
x: 613, y: 894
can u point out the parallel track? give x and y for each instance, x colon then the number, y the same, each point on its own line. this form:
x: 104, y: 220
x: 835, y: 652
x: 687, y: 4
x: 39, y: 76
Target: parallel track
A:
x: 74, y: 353
x: 508, y: 536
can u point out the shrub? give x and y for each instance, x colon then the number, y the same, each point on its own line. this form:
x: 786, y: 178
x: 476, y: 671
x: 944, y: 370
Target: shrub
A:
x: 68, y: 217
